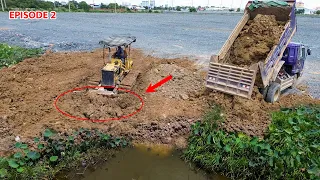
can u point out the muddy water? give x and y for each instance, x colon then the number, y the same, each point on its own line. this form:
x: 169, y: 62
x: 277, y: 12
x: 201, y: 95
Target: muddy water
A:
x: 147, y: 163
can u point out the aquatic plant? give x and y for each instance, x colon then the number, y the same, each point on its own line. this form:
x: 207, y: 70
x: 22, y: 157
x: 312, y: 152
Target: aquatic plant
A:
x: 290, y: 149
x: 10, y: 55
x: 52, y: 148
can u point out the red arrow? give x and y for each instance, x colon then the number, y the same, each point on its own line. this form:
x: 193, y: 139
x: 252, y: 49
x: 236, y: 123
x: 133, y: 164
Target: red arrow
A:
x: 153, y: 88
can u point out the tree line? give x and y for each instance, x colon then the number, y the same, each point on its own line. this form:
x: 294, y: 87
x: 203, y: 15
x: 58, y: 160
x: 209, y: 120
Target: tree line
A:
x: 48, y: 5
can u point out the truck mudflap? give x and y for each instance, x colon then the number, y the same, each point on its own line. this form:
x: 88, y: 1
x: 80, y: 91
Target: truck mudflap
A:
x: 231, y: 79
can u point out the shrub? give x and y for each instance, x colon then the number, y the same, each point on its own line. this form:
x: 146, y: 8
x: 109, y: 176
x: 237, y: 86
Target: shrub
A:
x: 192, y: 9
x: 10, y: 55
x: 290, y: 150
x: 43, y: 157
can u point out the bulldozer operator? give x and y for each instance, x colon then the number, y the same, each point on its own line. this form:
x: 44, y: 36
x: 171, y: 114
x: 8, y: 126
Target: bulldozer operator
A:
x: 120, y: 54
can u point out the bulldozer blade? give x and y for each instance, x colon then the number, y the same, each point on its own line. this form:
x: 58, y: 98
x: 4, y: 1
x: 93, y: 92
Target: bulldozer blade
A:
x: 93, y: 83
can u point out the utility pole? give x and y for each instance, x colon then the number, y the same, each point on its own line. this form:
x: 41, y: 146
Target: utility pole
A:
x: 5, y: 4
x: 2, y: 5
x: 69, y: 5
x: 115, y: 6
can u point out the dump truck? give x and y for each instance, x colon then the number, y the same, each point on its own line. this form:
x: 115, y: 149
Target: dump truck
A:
x: 278, y: 71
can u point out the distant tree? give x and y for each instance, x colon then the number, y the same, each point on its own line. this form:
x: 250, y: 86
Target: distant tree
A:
x: 238, y: 10
x: 146, y: 7
x: 192, y: 9
x: 318, y: 12
x: 57, y: 4
x: 72, y: 6
x: 178, y: 8
x: 103, y: 6
x: 113, y: 5
x: 300, y: 11
x: 76, y: 4
x: 83, y: 5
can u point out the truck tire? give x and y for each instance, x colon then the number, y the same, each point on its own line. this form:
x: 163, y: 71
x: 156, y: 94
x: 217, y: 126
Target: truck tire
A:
x: 273, y: 93
x: 264, y: 91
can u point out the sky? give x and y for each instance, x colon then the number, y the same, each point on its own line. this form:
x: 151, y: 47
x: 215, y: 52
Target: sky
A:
x: 228, y: 3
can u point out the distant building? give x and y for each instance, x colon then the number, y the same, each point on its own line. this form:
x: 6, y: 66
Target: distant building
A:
x: 137, y: 8
x: 300, y: 5
x: 95, y: 5
x: 151, y: 4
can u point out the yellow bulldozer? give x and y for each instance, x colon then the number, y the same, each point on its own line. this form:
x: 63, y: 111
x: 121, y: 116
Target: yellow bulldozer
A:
x: 117, y: 65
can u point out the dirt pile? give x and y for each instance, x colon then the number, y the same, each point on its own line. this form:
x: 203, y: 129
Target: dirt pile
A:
x: 255, y: 40
x: 185, y: 83
x: 89, y: 104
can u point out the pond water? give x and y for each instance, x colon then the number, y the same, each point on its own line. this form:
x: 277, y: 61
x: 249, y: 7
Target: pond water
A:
x: 145, y: 163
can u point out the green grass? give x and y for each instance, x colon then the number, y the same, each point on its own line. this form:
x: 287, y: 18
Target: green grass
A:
x: 53, y: 153
x: 10, y: 55
x: 290, y: 150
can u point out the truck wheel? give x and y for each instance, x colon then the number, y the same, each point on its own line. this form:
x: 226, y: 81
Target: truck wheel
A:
x: 273, y: 93
x: 264, y: 91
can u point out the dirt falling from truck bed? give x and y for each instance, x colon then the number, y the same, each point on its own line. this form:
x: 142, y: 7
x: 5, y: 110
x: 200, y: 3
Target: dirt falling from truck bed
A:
x: 255, y: 40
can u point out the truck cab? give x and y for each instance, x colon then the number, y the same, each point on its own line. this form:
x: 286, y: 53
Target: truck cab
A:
x: 294, y: 57
x: 293, y: 60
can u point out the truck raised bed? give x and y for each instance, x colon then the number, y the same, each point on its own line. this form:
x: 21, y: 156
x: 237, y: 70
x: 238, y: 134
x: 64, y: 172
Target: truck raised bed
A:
x: 277, y: 72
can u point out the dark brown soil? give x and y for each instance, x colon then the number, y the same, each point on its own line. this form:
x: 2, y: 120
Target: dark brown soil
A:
x: 255, y: 40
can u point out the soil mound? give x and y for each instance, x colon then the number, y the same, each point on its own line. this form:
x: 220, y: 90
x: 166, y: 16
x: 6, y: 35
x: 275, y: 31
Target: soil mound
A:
x: 89, y: 104
x: 185, y: 83
x: 256, y: 40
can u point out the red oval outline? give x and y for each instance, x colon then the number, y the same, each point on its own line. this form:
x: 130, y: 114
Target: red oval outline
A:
x: 97, y: 120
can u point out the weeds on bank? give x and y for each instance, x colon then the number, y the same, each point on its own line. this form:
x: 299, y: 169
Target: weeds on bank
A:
x: 290, y: 150
x: 53, y: 152
x: 10, y: 55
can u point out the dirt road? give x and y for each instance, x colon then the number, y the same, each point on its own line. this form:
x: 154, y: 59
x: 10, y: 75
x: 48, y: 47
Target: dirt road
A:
x: 28, y: 90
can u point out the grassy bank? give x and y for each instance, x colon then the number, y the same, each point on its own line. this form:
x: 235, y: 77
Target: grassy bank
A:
x: 53, y: 153
x: 10, y: 55
x: 290, y: 149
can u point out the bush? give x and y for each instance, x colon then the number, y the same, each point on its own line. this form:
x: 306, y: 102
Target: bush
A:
x: 318, y: 12
x: 53, y: 152
x: 10, y: 55
x: 192, y: 9
x: 290, y: 150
